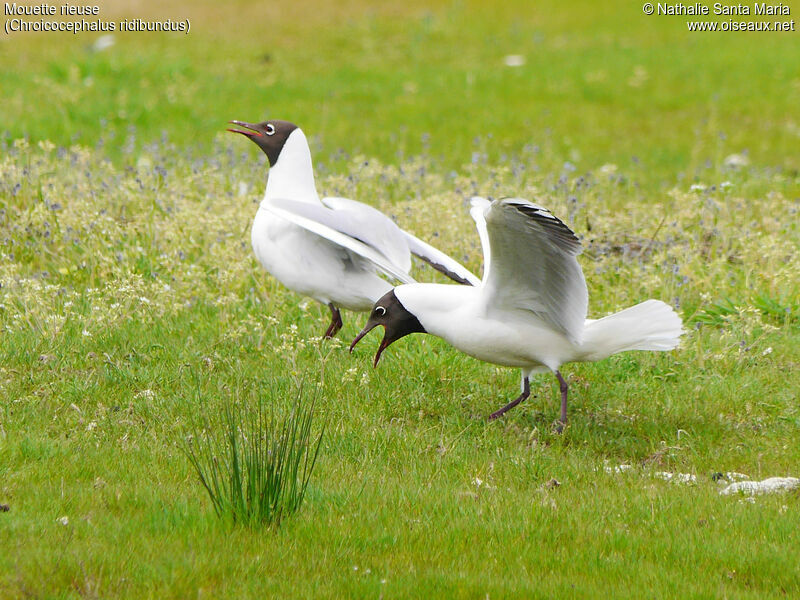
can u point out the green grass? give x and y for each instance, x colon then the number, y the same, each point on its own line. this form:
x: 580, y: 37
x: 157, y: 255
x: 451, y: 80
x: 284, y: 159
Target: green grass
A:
x: 254, y: 464
x: 128, y: 283
x: 599, y: 85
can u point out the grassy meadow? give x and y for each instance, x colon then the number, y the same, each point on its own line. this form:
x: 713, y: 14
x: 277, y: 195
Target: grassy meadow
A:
x: 131, y: 303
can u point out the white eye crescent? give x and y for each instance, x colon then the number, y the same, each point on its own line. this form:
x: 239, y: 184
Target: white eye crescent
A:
x: 380, y: 311
x: 270, y: 129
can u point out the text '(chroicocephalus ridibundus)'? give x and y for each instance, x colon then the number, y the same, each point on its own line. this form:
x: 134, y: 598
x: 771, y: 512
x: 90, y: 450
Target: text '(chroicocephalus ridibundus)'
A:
x: 530, y: 309
x: 334, y: 248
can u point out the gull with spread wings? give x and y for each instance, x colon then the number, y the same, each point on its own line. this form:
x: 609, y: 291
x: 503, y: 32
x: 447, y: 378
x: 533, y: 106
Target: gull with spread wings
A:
x: 530, y: 309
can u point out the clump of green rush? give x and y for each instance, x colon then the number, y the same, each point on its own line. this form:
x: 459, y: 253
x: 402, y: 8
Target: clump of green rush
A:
x: 255, y: 464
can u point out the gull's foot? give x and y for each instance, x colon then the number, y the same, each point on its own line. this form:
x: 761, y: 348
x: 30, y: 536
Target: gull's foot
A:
x: 526, y: 391
x: 496, y: 415
x: 336, y: 322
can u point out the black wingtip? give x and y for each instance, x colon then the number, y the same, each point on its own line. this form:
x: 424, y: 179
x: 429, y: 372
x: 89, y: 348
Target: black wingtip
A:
x: 444, y: 270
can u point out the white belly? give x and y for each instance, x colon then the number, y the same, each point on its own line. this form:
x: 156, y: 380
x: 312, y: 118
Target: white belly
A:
x: 513, y: 339
x: 312, y: 266
x: 511, y: 344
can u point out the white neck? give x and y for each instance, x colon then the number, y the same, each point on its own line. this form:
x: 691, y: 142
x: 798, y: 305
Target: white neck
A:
x: 292, y: 176
x: 438, y: 306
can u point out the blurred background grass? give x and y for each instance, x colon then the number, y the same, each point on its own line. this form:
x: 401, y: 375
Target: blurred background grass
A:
x: 120, y: 279
x: 600, y: 83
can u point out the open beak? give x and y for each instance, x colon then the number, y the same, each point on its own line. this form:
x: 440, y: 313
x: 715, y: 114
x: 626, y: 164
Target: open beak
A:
x: 384, y: 343
x: 253, y: 131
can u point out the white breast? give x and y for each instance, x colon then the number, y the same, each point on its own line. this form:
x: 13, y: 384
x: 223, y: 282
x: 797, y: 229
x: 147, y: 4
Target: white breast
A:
x: 314, y: 266
x: 512, y: 338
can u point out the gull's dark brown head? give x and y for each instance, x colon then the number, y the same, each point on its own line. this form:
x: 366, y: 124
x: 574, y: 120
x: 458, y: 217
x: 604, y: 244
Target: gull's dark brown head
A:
x: 269, y: 135
x: 396, y: 320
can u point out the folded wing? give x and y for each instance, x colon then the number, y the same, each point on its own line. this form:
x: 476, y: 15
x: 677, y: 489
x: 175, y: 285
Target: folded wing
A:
x: 408, y: 242
x: 440, y: 261
x: 369, y: 225
x: 359, y: 235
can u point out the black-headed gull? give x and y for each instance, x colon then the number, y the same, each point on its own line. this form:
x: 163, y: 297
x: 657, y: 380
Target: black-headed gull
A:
x: 330, y: 249
x: 530, y: 309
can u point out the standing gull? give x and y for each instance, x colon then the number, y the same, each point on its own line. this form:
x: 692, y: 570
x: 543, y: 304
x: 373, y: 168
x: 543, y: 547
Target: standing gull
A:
x: 331, y: 249
x: 530, y: 309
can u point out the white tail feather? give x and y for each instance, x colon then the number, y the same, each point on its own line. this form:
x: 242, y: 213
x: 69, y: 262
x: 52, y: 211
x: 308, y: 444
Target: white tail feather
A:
x: 651, y: 325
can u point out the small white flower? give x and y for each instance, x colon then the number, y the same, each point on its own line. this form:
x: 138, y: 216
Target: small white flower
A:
x: 91, y: 426
x: 697, y: 187
x: 676, y: 477
x: 607, y: 169
x: 514, y: 60
x: 63, y: 520
x: 104, y: 42
x: 86, y: 333
x: 618, y: 469
x: 767, y: 351
x: 736, y: 160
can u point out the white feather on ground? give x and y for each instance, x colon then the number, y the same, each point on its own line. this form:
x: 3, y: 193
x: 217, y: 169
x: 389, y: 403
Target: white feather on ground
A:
x: 766, y: 486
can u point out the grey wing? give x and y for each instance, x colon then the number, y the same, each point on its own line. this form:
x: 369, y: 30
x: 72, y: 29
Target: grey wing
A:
x: 434, y: 257
x: 533, y: 265
x: 372, y: 227
x: 334, y: 227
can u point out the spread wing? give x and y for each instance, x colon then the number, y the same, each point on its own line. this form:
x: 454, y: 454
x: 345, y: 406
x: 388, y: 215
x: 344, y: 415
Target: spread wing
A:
x: 435, y: 258
x: 478, y: 211
x: 531, y: 264
x: 350, y: 233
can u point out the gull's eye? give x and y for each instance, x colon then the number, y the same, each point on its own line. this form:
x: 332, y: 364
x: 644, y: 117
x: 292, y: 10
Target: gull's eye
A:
x: 270, y: 129
x: 380, y: 311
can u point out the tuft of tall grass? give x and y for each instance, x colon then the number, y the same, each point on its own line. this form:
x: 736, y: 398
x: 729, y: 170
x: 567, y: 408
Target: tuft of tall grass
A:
x: 255, y: 464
